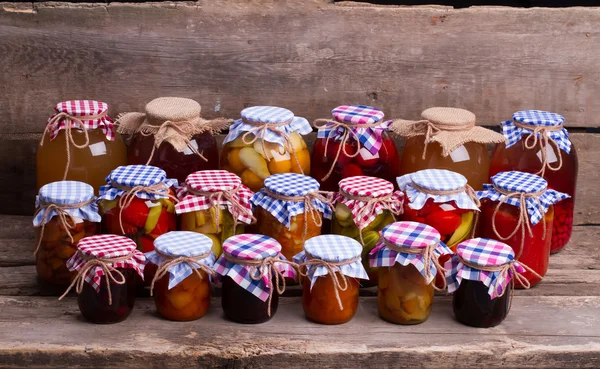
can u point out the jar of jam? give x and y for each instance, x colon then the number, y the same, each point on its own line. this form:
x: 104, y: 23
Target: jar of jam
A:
x: 446, y: 138
x: 354, y: 143
x: 107, y: 267
x: 363, y: 207
x: 332, y: 266
x: 538, y: 143
x: 79, y: 144
x: 181, y: 285
x: 266, y: 140
x: 216, y: 204
x: 290, y: 208
x: 253, y: 273
x: 517, y: 208
x: 407, y: 259
x: 66, y: 213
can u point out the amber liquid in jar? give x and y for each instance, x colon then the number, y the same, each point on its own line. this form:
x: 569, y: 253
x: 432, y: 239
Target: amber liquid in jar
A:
x: 320, y: 304
x: 95, y: 307
x: 242, y: 306
x: 205, y: 222
x: 188, y: 300
x: 473, y: 306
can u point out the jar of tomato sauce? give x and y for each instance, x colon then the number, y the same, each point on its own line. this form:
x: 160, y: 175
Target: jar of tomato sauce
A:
x: 266, y: 140
x: 354, y: 142
x: 446, y: 138
x: 538, y: 143
x: 79, y: 144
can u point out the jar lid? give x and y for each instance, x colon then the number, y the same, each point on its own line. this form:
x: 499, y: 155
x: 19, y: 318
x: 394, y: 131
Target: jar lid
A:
x: 66, y: 193
x: 291, y: 184
x: 515, y: 181
x: 411, y: 234
x: 251, y: 247
x: 267, y: 114
x: 174, y: 109
x: 82, y: 108
x: 538, y: 118
x: 449, y: 116
x: 130, y: 176
x: 524, y: 123
x: 213, y: 181
x: 365, y: 186
x: 357, y: 114
x: 485, y: 252
x: 438, y: 179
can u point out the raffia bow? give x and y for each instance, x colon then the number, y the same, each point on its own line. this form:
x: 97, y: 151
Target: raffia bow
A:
x: 543, y: 141
x: 430, y: 129
x: 192, y: 261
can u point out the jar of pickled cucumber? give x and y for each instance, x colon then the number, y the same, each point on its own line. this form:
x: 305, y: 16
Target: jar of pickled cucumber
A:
x: 216, y: 204
x: 266, y: 140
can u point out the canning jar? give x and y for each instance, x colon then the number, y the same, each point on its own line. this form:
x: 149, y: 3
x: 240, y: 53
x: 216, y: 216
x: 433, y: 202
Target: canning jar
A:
x: 446, y: 138
x: 538, y: 143
x: 266, y: 140
x: 331, y: 265
x: 79, y: 144
x: 353, y: 143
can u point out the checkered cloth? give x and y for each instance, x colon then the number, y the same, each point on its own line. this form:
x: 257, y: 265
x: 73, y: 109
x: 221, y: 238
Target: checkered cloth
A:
x: 486, y: 253
x: 369, y: 137
x: 213, y: 181
x: 268, y: 114
x: 136, y: 175
x: 251, y: 247
x: 106, y: 246
x: 332, y: 248
x: 80, y: 108
x: 177, y: 244
x: 521, y: 182
x: 536, y: 118
x: 410, y: 235
x: 64, y: 193
x: 437, y: 180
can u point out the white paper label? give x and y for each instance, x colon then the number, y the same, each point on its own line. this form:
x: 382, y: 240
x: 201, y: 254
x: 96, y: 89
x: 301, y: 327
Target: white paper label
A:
x: 460, y: 154
x: 189, y: 151
x: 447, y: 207
x: 98, y: 148
x: 366, y: 154
x: 151, y: 204
x: 549, y: 153
x: 77, y: 220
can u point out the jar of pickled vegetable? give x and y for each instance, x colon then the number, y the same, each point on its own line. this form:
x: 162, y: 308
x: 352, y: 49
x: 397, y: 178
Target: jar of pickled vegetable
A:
x: 107, y: 267
x: 216, y: 204
x: 253, y: 273
x: 173, y: 136
x: 181, y: 285
x: 79, y: 144
x: 266, y: 140
x: 354, y: 143
x: 517, y: 208
x: 290, y: 208
x: 446, y: 138
x: 538, y: 143
x: 332, y: 267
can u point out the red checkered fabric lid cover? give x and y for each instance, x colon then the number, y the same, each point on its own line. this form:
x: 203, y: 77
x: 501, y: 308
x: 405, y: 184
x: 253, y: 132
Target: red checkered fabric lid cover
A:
x: 82, y: 108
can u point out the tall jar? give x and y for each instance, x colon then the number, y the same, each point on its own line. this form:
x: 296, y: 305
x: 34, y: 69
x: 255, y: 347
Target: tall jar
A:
x: 79, y: 144
x: 353, y: 143
x: 173, y: 136
x: 447, y: 138
x: 266, y: 140
x: 332, y: 267
x: 216, y: 204
x: 66, y: 213
x: 538, y: 143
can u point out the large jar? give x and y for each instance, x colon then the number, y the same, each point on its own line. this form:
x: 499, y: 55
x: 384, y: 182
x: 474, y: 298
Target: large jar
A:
x: 446, y: 138
x: 538, y: 143
x: 266, y: 140
x: 79, y: 144
x: 354, y: 142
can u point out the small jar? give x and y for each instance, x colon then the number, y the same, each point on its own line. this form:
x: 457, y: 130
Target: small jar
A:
x: 250, y: 290
x: 79, y: 144
x: 266, y: 140
x: 354, y: 143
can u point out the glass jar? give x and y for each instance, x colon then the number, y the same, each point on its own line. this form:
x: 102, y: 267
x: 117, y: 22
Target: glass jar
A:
x: 79, y: 144
x: 473, y: 306
x: 354, y: 143
x: 95, y: 306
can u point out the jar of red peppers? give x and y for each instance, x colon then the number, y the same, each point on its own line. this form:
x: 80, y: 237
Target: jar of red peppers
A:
x: 517, y: 208
x: 538, y: 143
x: 107, y: 267
x: 66, y: 213
x: 354, y: 143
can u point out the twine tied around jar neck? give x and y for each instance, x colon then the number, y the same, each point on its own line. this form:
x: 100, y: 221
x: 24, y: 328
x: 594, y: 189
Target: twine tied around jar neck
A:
x: 430, y: 129
x: 543, y: 141
x: 170, y: 261
x: 215, y: 198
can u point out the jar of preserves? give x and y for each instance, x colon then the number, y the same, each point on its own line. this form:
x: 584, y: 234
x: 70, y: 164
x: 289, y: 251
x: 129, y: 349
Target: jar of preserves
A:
x: 331, y: 265
x: 253, y: 273
x: 181, y: 285
x: 173, y: 136
x: 354, y: 143
x: 538, y: 143
x: 447, y: 138
x: 517, y: 208
x: 79, y: 144
x: 216, y: 204
x: 266, y: 140
x: 107, y: 267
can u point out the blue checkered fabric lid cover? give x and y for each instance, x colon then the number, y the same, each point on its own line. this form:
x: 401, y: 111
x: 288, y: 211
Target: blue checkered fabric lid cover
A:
x: 411, y: 235
x: 136, y: 175
x: 437, y: 180
x: 268, y: 114
x: 63, y: 193
x: 181, y: 243
x: 536, y: 118
x: 521, y: 182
